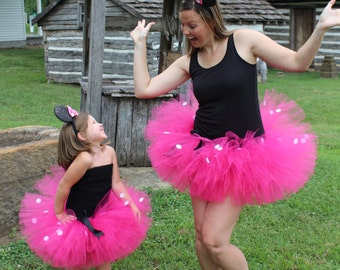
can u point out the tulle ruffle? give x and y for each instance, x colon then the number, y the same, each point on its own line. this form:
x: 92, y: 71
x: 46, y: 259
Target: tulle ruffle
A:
x: 251, y: 170
x: 72, y: 245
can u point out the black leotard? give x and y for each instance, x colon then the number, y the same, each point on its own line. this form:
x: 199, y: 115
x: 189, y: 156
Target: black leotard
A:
x: 227, y: 96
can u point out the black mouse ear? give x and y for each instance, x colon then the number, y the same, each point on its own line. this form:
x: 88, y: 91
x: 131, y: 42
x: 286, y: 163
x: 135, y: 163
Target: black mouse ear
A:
x: 66, y: 114
x: 62, y: 113
x: 209, y: 3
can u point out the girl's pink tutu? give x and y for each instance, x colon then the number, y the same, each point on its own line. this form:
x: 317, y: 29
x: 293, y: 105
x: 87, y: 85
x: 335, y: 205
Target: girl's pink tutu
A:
x: 72, y: 245
x: 251, y: 170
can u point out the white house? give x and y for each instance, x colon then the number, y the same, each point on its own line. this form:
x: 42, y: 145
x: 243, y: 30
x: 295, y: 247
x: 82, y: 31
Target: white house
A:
x: 12, y: 23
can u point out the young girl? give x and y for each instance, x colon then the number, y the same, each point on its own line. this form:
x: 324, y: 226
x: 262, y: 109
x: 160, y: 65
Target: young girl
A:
x: 84, y: 216
x: 228, y: 150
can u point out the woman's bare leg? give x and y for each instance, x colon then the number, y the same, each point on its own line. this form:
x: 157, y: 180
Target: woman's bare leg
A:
x: 214, y: 224
x: 205, y: 261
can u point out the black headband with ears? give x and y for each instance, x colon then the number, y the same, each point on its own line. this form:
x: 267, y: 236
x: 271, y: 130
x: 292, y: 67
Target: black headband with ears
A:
x: 67, y: 115
x: 206, y: 3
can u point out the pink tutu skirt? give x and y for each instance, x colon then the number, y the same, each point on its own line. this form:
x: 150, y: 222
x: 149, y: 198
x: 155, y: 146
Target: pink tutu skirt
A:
x: 72, y: 245
x: 250, y: 170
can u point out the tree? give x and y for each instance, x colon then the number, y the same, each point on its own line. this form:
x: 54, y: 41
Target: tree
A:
x: 31, y: 5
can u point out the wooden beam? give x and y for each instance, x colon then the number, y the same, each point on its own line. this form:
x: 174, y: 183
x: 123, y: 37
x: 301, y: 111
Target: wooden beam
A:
x: 170, y: 29
x: 96, y: 56
x: 86, y: 41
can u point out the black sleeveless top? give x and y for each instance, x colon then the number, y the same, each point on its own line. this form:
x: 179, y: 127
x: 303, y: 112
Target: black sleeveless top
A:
x: 90, y: 190
x: 227, y: 96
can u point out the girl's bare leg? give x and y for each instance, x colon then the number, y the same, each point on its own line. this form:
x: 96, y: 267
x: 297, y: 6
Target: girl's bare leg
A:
x: 214, y: 224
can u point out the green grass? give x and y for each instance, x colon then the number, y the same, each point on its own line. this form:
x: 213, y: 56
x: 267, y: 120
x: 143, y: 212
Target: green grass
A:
x: 28, y: 29
x: 26, y: 97
x: 300, y: 233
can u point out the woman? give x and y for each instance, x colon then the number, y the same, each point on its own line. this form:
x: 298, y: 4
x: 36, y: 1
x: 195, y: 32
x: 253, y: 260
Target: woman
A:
x: 231, y: 151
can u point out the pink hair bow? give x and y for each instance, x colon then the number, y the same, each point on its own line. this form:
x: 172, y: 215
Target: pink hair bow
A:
x: 72, y: 112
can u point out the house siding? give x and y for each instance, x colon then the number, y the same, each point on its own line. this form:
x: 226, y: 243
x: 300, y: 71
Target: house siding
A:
x: 12, y: 20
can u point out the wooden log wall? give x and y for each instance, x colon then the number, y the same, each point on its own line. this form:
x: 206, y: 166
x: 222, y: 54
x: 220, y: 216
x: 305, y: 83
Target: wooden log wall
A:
x: 63, y: 55
x: 329, y: 46
x: 63, y: 45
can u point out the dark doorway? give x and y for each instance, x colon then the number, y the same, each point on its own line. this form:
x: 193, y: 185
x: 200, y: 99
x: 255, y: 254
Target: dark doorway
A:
x: 302, y: 25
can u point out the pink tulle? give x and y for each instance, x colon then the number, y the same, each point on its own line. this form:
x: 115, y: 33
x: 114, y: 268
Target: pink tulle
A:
x: 72, y: 245
x: 249, y: 170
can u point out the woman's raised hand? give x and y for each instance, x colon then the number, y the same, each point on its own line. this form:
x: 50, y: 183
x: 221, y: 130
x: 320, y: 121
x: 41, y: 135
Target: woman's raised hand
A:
x: 329, y: 17
x: 141, y: 31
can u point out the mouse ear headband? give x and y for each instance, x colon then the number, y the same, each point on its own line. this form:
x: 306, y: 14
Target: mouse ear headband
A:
x: 206, y: 3
x: 67, y: 115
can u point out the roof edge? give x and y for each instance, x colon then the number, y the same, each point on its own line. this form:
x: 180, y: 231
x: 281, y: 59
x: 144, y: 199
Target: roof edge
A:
x: 46, y: 10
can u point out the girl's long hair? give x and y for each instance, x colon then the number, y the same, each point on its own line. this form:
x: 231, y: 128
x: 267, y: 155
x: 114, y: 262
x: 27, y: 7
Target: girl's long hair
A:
x: 69, y: 146
x: 212, y: 16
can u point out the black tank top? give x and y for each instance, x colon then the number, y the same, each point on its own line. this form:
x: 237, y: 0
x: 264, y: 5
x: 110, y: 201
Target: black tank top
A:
x: 90, y: 190
x: 227, y: 95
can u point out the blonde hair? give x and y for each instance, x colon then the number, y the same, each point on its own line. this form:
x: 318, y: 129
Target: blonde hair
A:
x: 69, y: 146
x: 212, y: 16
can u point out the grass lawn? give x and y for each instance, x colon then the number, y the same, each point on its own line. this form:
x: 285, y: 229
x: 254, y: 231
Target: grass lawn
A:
x: 26, y: 97
x: 300, y: 233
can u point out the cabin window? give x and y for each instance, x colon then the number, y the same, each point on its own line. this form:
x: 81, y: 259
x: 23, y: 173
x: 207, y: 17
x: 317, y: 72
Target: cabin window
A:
x: 81, y: 14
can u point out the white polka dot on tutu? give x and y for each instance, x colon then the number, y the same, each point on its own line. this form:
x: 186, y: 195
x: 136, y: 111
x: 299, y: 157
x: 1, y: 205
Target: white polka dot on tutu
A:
x: 46, y: 238
x: 178, y: 146
x: 218, y: 147
x: 141, y: 199
x: 126, y: 203
x: 122, y: 195
x: 38, y: 200
x: 303, y: 141
x: 59, y: 232
x: 34, y: 221
x: 296, y: 141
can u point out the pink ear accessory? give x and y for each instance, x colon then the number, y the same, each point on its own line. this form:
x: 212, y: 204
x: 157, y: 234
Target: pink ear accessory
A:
x: 72, y: 112
x: 206, y: 3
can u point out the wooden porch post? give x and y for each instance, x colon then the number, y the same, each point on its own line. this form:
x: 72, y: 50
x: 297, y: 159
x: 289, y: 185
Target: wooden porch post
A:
x: 170, y: 29
x: 96, y: 36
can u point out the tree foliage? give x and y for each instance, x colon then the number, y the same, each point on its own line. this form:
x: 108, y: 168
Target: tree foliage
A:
x: 31, y: 5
